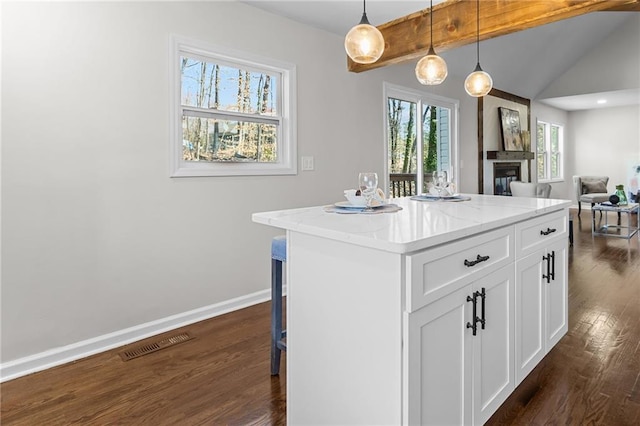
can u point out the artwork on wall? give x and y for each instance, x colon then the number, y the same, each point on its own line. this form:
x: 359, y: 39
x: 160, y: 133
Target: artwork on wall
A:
x: 510, y: 126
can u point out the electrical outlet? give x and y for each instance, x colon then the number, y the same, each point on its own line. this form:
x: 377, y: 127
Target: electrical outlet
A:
x: 307, y: 164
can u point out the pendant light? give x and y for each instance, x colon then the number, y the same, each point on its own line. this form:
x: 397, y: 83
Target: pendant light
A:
x: 478, y: 83
x: 431, y: 69
x: 364, y: 42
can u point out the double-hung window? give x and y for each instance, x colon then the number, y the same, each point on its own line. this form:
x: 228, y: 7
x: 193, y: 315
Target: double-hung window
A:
x: 549, y: 147
x: 233, y: 113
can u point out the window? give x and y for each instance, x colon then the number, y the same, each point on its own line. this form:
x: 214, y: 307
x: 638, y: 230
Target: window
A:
x: 421, y: 136
x: 233, y: 113
x: 549, y: 151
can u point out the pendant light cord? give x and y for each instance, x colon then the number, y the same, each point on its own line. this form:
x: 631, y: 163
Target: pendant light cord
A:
x: 431, y: 16
x: 478, y: 30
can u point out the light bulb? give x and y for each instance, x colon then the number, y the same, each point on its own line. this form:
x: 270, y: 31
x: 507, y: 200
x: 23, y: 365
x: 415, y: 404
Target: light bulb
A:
x: 478, y: 83
x: 431, y: 69
x: 364, y: 43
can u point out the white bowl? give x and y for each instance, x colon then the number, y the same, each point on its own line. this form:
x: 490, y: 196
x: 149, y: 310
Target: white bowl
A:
x: 355, y: 200
x: 360, y: 201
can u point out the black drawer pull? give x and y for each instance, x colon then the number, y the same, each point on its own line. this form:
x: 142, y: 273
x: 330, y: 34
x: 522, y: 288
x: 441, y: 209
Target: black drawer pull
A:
x: 476, y: 261
x: 548, y: 231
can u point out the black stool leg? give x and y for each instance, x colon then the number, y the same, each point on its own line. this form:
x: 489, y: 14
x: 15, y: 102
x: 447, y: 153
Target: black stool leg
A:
x: 276, y: 315
x: 570, y: 230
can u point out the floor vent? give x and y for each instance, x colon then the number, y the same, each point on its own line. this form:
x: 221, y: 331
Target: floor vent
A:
x: 148, y: 348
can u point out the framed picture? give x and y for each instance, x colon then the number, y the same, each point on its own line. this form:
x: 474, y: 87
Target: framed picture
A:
x: 510, y: 126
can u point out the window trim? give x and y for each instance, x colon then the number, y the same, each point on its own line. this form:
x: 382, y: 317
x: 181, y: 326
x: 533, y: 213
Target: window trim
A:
x: 421, y: 98
x: 287, y: 132
x: 548, y: 153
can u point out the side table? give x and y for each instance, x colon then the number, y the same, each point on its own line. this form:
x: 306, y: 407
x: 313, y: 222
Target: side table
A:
x: 619, y: 231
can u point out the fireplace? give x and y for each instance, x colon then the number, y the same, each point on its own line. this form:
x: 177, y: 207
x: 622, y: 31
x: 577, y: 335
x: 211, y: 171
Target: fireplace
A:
x: 503, y: 174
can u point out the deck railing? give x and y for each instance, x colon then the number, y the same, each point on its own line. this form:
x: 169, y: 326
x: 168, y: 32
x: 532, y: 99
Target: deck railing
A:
x: 404, y: 184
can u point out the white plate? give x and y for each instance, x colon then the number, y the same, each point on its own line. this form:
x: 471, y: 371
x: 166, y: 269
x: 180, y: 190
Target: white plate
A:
x: 429, y: 197
x: 443, y: 197
x: 348, y: 205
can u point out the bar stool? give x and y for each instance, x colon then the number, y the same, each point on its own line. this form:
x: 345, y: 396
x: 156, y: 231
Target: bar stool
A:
x: 278, y: 256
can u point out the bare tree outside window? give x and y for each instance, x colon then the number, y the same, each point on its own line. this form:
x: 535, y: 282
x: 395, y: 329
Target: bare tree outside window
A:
x: 211, y: 135
x: 407, y: 155
x: 233, y: 113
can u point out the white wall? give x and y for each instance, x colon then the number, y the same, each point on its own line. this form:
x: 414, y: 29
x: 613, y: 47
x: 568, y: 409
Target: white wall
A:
x: 606, y: 142
x: 603, y: 141
x: 96, y: 237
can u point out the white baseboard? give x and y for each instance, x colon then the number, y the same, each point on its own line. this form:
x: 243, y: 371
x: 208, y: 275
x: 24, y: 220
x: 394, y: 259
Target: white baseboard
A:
x: 58, y: 356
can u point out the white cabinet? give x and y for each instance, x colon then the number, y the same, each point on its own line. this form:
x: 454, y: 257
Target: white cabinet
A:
x: 378, y: 307
x: 530, y: 314
x: 493, y: 347
x: 438, y: 369
x: 453, y: 375
x: 457, y: 374
x: 541, y: 290
x: 556, y: 293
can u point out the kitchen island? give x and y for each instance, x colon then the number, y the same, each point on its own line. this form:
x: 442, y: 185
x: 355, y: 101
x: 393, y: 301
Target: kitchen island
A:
x: 429, y: 315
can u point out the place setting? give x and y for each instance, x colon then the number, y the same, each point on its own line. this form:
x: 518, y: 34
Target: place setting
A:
x: 441, y: 189
x: 367, y: 199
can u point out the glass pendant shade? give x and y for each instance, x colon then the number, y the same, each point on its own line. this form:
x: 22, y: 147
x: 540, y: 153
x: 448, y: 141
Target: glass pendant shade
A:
x: 431, y: 69
x: 364, y: 42
x: 478, y: 83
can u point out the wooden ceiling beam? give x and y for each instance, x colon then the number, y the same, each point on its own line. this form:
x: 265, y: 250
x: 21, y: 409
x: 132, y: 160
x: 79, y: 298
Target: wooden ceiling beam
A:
x: 454, y: 24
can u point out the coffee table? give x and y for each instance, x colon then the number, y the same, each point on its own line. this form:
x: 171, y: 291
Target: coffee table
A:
x: 618, y: 230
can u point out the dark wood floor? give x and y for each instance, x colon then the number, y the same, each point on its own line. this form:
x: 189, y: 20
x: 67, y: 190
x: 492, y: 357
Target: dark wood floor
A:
x: 221, y: 377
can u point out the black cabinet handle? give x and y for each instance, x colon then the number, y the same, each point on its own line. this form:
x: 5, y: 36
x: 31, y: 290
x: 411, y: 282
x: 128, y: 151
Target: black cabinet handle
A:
x: 473, y: 325
x: 551, y: 267
x: 477, y: 260
x: 482, y: 295
x: 547, y: 276
x: 548, y: 231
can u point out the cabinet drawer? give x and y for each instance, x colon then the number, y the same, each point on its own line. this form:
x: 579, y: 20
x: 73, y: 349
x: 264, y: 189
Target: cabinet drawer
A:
x: 536, y: 233
x: 436, y: 272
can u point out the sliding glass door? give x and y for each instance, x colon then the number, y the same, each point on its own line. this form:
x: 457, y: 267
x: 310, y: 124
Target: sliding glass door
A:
x: 421, y: 137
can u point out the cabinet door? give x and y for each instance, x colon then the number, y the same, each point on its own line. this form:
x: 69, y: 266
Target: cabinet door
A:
x: 529, y: 313
x: 437, y: 371
x: 556, y: 294
x: 493, y: 352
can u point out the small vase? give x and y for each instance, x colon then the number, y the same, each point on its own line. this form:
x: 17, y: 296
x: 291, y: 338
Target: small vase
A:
x: 621, y: 195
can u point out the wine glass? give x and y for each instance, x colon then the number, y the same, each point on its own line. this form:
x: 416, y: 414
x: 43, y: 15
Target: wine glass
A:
x: 440, y: 181
x: 368, y: 184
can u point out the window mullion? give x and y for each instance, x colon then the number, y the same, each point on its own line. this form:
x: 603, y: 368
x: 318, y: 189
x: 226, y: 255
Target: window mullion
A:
x: 228, y: 115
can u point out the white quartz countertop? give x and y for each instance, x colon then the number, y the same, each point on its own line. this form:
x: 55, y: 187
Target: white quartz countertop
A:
x: 419, y: 225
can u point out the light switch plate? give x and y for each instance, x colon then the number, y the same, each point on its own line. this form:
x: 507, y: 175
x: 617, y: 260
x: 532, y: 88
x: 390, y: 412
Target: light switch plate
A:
x: 307, y: 163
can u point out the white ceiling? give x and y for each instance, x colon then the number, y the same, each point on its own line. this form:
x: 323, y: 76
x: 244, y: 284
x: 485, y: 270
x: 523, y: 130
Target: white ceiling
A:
x: 542, y: 54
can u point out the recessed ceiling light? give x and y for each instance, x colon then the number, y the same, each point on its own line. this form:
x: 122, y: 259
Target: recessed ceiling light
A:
x: 602, y: 101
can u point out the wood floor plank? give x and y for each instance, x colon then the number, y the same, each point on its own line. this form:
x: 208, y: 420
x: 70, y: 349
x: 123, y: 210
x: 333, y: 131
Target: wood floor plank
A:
x: 221, y: 376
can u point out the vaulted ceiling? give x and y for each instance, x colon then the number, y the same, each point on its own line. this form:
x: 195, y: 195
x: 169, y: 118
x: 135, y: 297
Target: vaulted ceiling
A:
x: 455, y: 24
x: 537, y: 38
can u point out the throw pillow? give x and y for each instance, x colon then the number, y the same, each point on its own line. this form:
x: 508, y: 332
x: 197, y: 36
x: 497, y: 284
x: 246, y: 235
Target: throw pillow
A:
x: 594, y: 187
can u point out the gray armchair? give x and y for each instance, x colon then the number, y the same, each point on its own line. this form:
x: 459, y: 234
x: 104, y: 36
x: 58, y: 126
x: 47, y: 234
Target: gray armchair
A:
x: 590, y: 189
x: 531, y: 190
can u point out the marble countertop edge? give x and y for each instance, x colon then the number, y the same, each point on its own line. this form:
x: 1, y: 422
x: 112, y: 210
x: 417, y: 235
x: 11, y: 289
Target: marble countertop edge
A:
x: 402, y: 232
